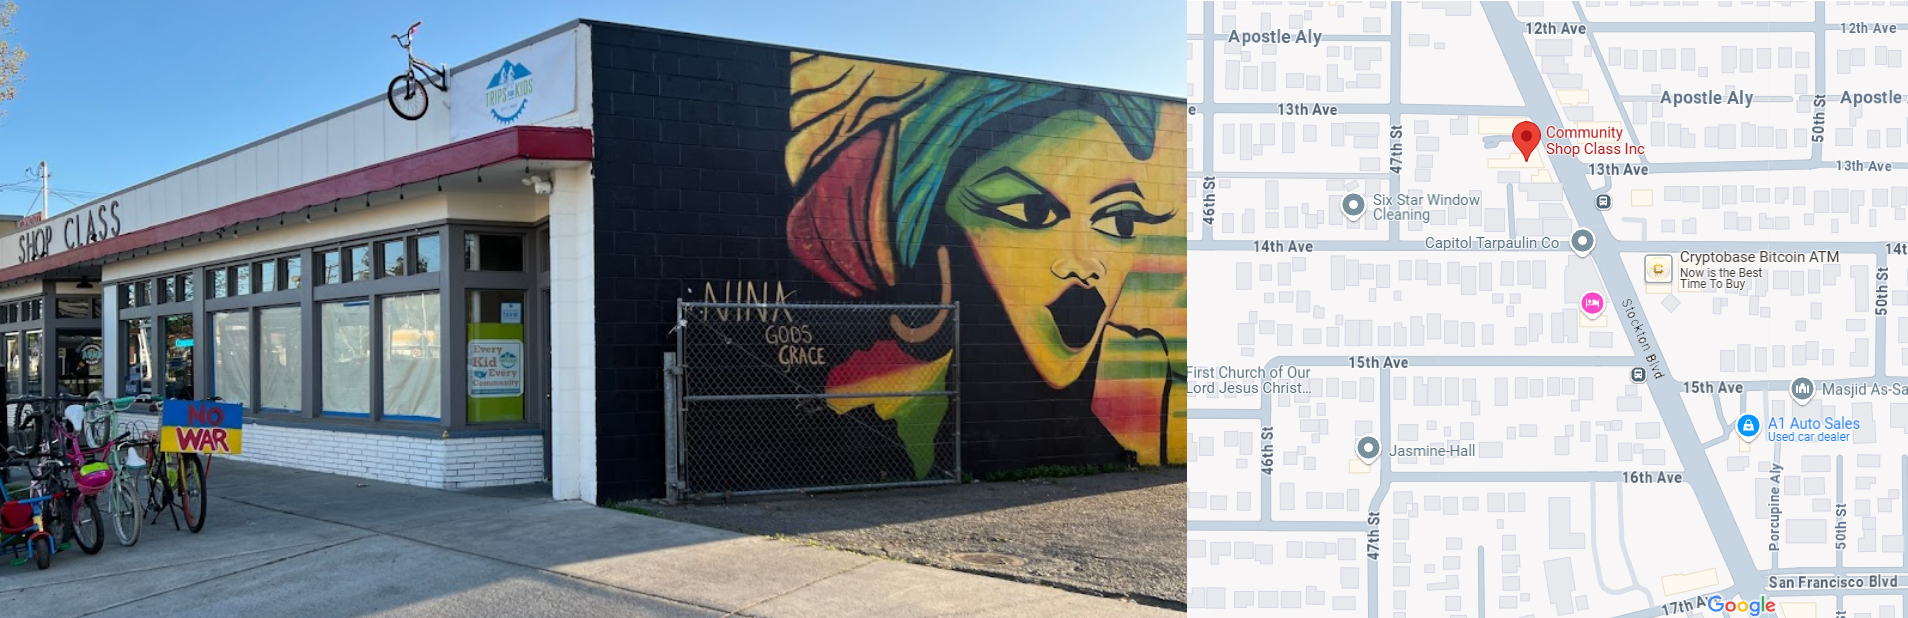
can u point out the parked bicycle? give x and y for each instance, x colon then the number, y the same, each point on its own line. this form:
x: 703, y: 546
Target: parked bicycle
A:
x: 58, y: 465
x: 28, y: 523
x: 172, y: 481
x: 107, y: 447
x: 407, y: 94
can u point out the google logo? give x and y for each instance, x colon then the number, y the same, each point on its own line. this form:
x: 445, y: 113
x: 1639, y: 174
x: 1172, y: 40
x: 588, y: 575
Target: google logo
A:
x: 1755, y: 608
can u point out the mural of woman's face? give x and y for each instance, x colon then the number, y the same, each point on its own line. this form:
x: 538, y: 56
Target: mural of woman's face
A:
x: 1056, y: 218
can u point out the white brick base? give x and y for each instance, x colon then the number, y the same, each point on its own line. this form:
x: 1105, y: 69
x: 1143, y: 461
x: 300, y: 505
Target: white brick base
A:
x: 452, y: 463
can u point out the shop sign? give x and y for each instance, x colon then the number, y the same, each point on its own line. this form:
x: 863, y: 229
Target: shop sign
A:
x: 496, y: 368
x: 524, y: 86
x: 74, y: 229
x: 201, y: 427
x: 513, y: 313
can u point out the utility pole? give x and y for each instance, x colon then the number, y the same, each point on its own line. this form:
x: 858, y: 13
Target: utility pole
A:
x: 44, y: 190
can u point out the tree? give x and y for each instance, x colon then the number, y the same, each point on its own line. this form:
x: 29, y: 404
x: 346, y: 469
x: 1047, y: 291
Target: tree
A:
x: 11, y: 57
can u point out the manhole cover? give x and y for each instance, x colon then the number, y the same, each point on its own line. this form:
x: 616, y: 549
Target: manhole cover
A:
x: 989, y: 559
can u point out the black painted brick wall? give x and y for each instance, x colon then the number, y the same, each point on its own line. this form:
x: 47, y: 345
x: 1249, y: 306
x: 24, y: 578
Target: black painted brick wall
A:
x: 691, y: 188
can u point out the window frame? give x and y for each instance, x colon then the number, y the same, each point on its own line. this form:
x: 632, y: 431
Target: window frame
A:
x: 448, y: 280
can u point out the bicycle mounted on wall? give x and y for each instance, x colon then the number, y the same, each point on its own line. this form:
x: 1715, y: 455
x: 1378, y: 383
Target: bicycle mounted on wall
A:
x: 407, y: 94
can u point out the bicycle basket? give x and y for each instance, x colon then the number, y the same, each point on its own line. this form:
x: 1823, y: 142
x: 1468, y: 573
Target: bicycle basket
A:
x: 94, y: 477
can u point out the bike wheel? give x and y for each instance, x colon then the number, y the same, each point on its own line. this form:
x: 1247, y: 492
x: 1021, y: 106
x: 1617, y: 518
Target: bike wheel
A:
x: 192, y: 490
x: 407, y: 97
x: 42, y: 552
x: 122, y: 507
x: 87, y: 525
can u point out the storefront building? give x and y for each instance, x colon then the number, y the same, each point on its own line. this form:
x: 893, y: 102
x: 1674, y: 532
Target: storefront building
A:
x: 484, y: 296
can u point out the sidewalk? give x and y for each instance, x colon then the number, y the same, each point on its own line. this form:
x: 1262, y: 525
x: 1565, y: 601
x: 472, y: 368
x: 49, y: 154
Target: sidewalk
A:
x: 287, y: 543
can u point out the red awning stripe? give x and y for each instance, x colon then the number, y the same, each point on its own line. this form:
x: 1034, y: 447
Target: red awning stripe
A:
x: 528, y: 142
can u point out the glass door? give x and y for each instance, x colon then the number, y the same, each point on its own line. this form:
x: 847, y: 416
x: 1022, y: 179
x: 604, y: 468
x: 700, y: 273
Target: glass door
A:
x: 178, y: 356
x: 81, y: 361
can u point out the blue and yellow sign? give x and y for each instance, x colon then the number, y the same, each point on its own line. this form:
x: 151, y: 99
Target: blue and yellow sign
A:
x: 201, y: 427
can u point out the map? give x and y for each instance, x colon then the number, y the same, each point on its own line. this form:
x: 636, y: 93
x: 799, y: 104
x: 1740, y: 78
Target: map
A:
x: 1547, y: 309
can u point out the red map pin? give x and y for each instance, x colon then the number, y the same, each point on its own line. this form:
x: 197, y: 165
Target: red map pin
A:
x: 1526, y: 137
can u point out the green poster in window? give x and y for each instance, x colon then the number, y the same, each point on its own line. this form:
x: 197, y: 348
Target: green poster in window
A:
x: 496, y: 372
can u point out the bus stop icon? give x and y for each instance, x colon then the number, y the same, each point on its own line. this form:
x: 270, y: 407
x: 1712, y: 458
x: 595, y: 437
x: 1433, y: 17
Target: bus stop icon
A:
x: 1603, y: 202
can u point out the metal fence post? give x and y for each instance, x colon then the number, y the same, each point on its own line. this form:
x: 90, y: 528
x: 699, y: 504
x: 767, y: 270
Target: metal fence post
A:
x: 954, y: 384
x: 672, y: 452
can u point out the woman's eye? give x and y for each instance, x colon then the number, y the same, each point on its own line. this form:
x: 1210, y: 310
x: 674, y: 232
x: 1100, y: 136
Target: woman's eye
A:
x: 1033, y: 212
x: 1118, y: 220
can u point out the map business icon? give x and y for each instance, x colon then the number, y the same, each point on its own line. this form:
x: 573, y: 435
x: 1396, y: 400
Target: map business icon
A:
x: 1748, y: 427
x: 1803, y: 390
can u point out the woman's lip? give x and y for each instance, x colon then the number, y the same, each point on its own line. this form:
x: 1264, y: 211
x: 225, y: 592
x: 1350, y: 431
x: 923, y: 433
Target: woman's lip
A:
x: 1076, y: 314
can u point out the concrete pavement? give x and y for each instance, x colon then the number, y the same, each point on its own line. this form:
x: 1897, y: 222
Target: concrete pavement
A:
x: 287, y: 543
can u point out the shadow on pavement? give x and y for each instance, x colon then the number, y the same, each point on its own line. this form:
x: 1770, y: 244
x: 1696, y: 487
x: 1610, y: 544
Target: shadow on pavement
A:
x: 1120, y: 534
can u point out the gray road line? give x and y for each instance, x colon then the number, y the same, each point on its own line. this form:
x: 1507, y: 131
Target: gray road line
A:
x: 1603, y: 245
x: 1205, y: 120
x: 1839, y: 499
x: 1397, y: 102
x: 1510, y: 210
x: 1276, y: 526
x: 1624, y: 545
x: 1729, y: 539
x: 1457, y: 361
x: 1596, y: 554
x: 1347, y: 109
x: 1480, y: 581
x: 1292, y: 175
x: 1590, y: 33
x: 1642, y: 225
x: 1821, y: 74
x: 1504, y: 477
x: 1384, y: 477
x: 1223, y: 414
x: 1722, y: 418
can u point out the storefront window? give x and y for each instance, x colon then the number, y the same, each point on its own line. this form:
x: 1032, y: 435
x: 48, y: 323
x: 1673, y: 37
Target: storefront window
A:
x: 359, y: 258
x: 333, y: 269
x: 82, y: 364
x: 280, y: 359
x: 16, y: 377
x: 31, y: 347
x: 392, y: 252
x: 494, y: 357
x: 413, y: 364
x: 294, y: 273
x: 232, y: 356
x: 74, y: 307
x: 136, y: 333
x: 219, y: 290
x: 493, y: 252
x: 179, y: 345
x: 268, y: 276
x: 165, y: 290
x: 426, y: 251
x: 142, y: 293
x: 185, y: 287
x: 345, y: 357
x: 242, y: 279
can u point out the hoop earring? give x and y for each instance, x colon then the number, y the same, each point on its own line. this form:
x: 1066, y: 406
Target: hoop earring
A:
x: 918, y: 334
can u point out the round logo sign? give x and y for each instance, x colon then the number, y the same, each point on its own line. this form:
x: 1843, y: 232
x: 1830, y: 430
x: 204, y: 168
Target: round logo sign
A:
x: 92, y: 353
x: 507, y: 360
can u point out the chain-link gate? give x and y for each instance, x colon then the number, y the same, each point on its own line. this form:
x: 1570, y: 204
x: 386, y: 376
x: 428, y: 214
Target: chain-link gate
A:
x: 777, y: 397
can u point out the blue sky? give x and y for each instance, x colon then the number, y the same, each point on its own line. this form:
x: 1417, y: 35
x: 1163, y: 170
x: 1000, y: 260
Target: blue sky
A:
x: 117, y: 92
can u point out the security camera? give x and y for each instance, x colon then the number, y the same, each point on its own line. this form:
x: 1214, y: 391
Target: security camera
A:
x: 539, y: 184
